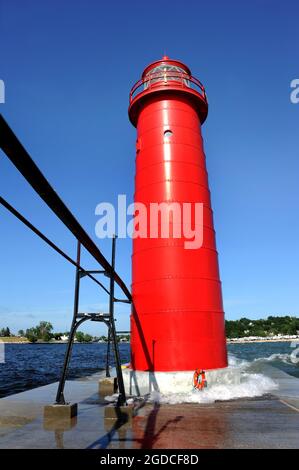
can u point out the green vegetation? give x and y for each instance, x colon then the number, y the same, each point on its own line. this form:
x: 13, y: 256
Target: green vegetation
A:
x: 42, y: 332
x: 5, y: 332
x: 120, y: 338
x: 266, y: 327
x: 123, y: 338
x: 57, y: 336
x: 83, y: 337
x: 31, y: 335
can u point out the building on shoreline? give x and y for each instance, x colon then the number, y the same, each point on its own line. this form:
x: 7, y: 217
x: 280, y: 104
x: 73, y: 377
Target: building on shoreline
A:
x: 260, y: 339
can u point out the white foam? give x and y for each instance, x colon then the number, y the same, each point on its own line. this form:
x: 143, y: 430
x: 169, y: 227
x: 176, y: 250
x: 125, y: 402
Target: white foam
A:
x: 111, y: 398
x: 251, y: 385
x: 286, y: 358
x: 236, y: 362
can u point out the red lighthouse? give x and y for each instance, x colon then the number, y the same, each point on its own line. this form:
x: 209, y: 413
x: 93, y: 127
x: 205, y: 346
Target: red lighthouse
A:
x: 177, y: 323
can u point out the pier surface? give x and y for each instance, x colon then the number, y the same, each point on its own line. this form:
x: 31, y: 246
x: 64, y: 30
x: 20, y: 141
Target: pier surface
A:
x: 263, y: 422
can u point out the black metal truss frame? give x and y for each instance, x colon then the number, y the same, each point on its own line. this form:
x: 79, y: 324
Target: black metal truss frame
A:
x: 17, y: 154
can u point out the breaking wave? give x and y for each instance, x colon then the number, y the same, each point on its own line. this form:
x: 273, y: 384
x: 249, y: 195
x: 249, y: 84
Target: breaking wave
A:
x: 292, y: 358
x: 251, y: 384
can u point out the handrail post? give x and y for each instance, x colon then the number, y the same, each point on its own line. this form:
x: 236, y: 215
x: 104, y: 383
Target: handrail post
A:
x: 120, y: 381
x: 108, y: 353
x: 60, y: 395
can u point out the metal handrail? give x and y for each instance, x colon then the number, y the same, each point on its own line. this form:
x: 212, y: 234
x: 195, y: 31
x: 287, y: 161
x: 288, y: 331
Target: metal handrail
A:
x: 17, y: 154
x: 35, y: 230
x: 21, y: 159
x: 164, y: 78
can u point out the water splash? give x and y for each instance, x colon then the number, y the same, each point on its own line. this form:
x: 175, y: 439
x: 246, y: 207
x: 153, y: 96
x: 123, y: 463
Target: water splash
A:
x: 251, y: 385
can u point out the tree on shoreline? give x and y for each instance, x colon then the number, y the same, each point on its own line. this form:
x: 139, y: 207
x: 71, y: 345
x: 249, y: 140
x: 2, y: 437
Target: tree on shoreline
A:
x: 83, y: 338
x: 43, y: 332
x: 31, y: 335
x: 5, y: 332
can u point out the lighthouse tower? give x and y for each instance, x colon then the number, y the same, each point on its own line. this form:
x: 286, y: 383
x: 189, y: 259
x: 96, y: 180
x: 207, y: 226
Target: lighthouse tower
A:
x: 177, y: 321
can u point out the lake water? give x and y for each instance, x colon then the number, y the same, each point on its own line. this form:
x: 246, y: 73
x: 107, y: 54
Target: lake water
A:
x: 31, y: 365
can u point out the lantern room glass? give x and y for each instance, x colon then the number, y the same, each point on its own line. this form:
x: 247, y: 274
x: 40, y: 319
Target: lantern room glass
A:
x: 164, y: 72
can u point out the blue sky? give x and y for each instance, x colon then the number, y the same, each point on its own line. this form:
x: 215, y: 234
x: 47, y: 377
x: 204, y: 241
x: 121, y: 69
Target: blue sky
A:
x: 68, y: 67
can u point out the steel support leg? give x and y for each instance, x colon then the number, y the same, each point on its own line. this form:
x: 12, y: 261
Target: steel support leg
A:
x: 121, y: 387
x: 60, y: 396
x: 108, y: 354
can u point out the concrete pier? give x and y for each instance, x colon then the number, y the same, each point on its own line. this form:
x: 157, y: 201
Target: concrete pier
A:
x: 264, y: 422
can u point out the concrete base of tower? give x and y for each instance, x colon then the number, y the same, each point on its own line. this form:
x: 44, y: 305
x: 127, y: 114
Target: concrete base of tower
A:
x: 140, y: 383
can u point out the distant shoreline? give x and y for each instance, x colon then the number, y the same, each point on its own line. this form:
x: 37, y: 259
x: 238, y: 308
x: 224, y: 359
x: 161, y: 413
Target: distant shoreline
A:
x: 14, y: 342
x: 228, y: 341
x: 245, y: 341
x: 57, y: 342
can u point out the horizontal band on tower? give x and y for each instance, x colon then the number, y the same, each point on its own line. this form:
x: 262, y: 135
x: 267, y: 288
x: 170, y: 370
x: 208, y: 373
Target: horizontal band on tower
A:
x: 170, y: 278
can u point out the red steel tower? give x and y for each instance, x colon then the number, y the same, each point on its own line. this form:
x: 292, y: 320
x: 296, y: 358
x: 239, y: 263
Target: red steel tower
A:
x: 177, y: 323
